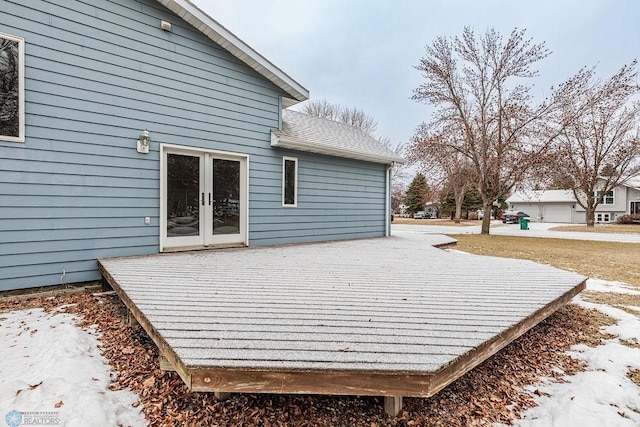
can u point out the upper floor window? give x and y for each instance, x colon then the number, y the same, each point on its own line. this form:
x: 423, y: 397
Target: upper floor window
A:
x: 289, y: 181
x: 607, y: 199
x: 11, y: 88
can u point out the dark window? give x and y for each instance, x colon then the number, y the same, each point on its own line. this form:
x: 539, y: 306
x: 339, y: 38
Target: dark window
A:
x: 10, y: 87
x: 290, y: 181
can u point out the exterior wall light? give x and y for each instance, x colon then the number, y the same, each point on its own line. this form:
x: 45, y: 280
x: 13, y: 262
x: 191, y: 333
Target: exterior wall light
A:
x: 143, y: 142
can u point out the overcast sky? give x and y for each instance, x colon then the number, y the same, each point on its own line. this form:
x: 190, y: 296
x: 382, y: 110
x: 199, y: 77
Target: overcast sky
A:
x: 361, y: 53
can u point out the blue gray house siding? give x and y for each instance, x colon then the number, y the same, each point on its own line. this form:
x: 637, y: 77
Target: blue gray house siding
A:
x: 338, y: 199
x: 97, y: 74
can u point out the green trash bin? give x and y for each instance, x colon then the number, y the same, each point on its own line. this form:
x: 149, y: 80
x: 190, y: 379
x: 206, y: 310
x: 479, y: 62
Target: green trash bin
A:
x: 524, y: 223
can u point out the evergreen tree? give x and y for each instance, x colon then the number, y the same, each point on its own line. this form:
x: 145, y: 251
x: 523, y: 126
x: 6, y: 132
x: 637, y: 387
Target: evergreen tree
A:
x: 470, y: 203
x: 417, y: 194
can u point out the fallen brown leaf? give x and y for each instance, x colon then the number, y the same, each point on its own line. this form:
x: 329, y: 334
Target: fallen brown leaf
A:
x: 492, y: 393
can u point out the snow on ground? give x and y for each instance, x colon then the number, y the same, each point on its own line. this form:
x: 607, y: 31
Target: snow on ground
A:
x: 602, y: 395
x: 536, y: 229
x: 52, y: 372
x: 598, y: 285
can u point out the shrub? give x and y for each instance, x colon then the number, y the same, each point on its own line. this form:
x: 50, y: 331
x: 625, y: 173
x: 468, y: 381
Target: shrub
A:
x: 624, y: 219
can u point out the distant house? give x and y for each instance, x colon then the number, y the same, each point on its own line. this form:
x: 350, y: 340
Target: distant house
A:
x: 401, y: 210
x: 142, y: 126
x: 431, y: 208
x: 562, y: 206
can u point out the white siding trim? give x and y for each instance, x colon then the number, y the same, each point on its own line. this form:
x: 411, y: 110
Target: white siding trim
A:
x: 387, y: 202
x: 294, y: 144
x: 21, y: 92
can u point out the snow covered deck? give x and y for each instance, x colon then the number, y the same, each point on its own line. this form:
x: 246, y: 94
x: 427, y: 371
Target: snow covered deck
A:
x: 389, y: 317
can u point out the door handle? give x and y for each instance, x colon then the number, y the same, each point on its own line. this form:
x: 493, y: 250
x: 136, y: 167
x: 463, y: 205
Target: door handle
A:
x: 209, y: 199
x: 202, y: 199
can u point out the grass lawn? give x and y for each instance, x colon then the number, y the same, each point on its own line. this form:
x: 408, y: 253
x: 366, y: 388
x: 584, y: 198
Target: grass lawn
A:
x: 602, y: 228
x: 602, y: 260
x: 434, y: 221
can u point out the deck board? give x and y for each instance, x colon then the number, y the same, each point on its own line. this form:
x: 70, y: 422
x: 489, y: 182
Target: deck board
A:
x: 393, y: 316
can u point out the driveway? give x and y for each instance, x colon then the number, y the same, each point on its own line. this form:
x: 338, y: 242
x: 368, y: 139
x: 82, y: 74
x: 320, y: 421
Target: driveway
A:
x: 536, y: 229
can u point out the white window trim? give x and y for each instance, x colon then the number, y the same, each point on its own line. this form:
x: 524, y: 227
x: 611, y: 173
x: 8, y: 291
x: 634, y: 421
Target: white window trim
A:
x: 21, y: 125
x: 604, y: 199
x: 613, y: 198
x: 295, y: 183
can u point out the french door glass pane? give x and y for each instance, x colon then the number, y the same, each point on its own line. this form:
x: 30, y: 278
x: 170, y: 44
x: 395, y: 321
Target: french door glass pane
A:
x: 226, y: 196
x: 183, y: 195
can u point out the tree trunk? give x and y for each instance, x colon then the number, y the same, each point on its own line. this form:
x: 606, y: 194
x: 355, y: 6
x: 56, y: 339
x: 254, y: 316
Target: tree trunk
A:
x: 486, y: 219
x: 591, y: 215
x: 459, y: 196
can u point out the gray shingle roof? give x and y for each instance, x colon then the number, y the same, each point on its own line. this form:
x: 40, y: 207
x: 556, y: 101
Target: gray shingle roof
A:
x: 633, y: 182
x: 317, y: 135
x: 542, y: 196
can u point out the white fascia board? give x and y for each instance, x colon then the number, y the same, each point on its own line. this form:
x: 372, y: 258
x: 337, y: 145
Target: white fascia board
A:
x: 225, y: 38
x: 292, y: 144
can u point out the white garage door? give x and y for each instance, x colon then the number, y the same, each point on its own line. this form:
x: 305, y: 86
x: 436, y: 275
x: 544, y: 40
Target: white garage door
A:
x: 557, y: 214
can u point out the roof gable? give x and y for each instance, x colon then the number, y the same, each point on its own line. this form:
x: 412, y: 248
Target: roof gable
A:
x: 304, y: 132
x: 191, y: 14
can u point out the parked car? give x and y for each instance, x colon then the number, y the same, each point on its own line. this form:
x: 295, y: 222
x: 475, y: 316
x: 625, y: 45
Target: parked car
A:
x: 421, y: 215
x: 513, y: 217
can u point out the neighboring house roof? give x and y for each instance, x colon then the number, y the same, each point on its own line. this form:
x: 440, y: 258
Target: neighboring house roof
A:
x: 219, y: 34
x: 558, y: 196
x: 633, y: 182
x: 317, y: 135
x: 542, y: 196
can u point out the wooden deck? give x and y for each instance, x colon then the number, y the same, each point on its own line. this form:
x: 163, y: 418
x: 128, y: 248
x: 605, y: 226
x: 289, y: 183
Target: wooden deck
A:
x: 387, y: 317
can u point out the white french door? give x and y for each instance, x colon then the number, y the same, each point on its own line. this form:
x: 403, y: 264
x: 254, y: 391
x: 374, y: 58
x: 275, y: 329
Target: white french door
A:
x: 204, y: 198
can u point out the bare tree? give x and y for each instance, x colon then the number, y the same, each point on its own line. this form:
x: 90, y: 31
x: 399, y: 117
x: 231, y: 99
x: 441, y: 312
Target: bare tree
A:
x: 398, y: 171
x: 352, y: 116
x: 483, y: 109
x: 598, y: 146
x: 322, y: 108
x: 446, y: 165
x: 397, y: 197
x: 359, y: 119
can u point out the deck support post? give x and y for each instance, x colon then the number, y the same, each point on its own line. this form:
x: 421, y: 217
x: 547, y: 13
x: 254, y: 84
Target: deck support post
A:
x: 393, y: 405
x: 131, y: 320
x: 106, y: 287
x: 222, y: 395
x: 164, y: 363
